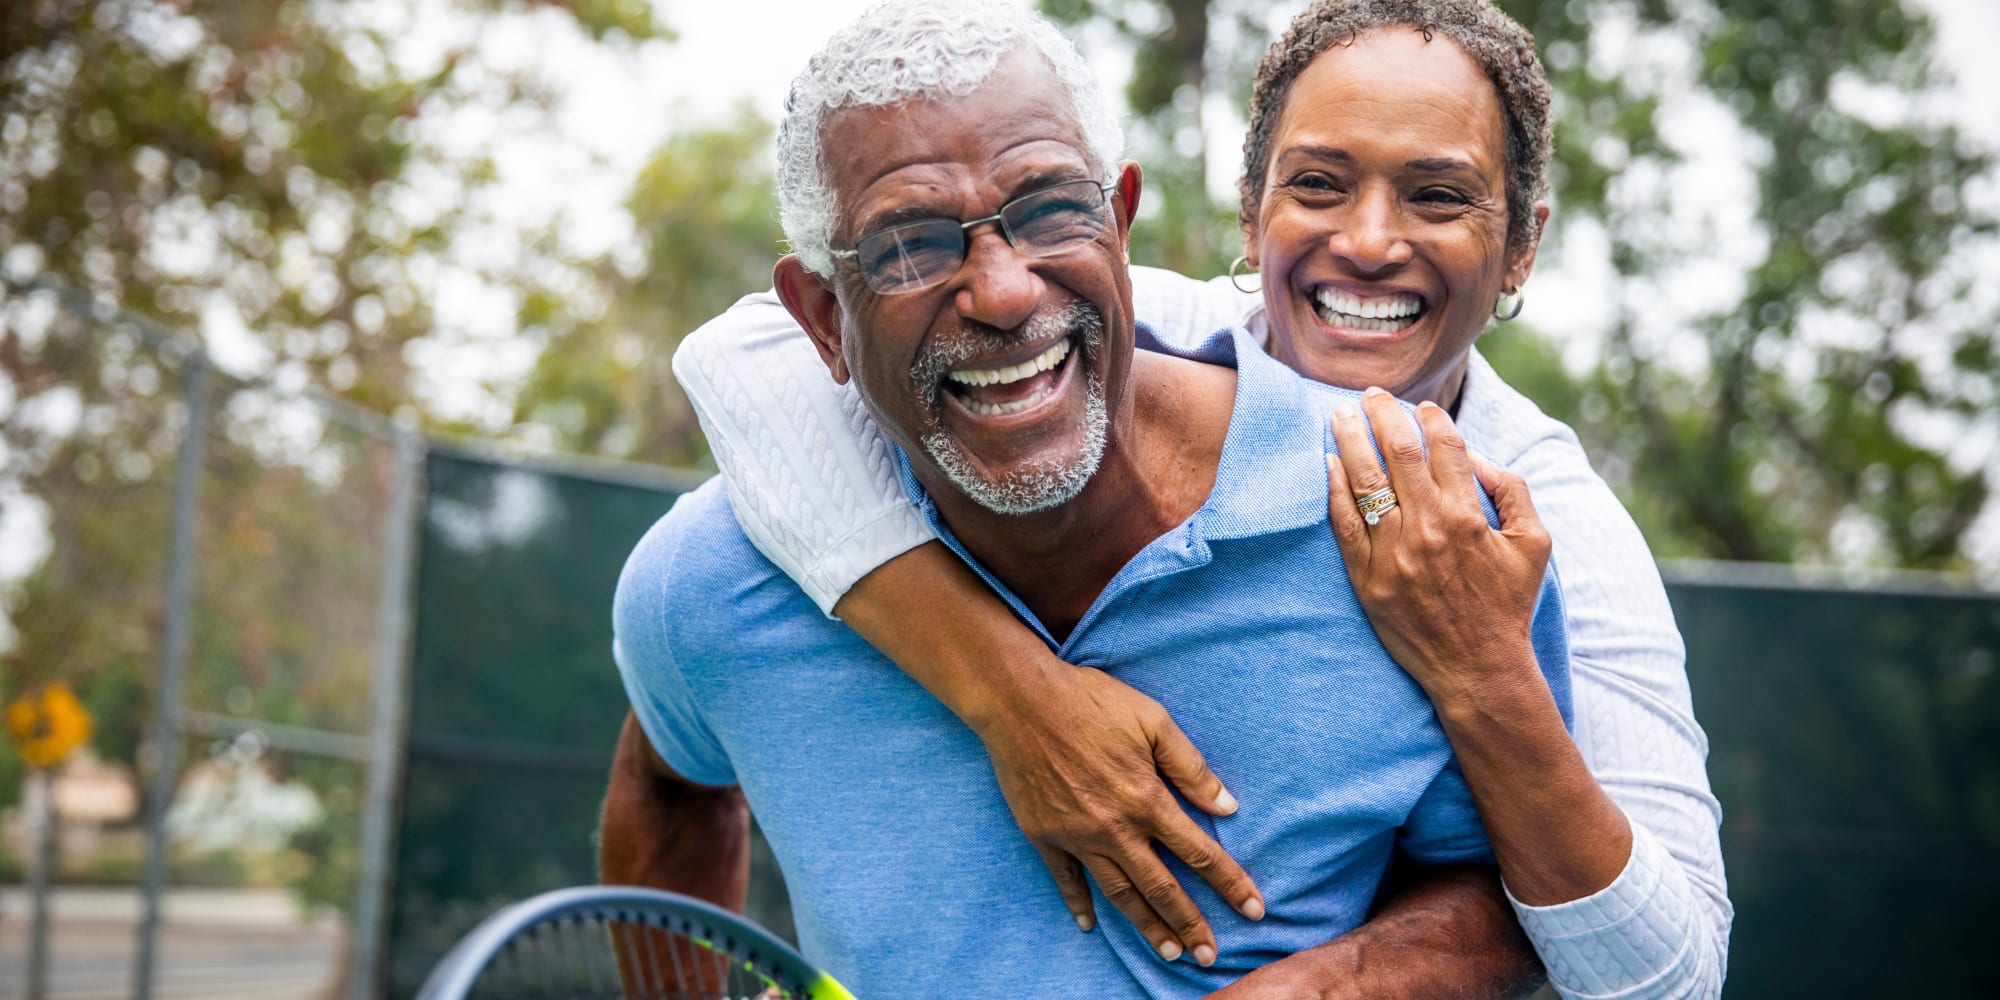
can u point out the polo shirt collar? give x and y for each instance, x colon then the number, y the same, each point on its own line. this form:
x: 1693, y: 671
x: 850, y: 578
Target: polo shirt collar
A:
x: 1272, y: 474
x: 1271, y: 478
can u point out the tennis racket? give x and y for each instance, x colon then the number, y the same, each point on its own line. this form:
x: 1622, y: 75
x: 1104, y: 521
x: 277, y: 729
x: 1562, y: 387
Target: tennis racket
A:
x: 623, y: 943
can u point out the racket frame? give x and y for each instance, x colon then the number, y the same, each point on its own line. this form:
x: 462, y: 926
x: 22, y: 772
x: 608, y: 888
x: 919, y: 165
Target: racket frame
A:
x: 759, y: 951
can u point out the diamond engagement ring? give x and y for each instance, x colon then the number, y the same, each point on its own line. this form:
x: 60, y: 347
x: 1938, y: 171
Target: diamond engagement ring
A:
x: 1376, y: 504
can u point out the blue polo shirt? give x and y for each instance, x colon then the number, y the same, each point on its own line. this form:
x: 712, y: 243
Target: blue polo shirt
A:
x: 907, y: 872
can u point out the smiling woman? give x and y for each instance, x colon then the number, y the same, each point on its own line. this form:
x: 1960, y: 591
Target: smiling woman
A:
x: 1381, y: 224
x: 1407, y: 172
x: 1392, y: 199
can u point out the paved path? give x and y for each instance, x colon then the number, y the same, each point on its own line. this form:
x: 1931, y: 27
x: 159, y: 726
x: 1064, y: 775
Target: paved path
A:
x: 215, y: 944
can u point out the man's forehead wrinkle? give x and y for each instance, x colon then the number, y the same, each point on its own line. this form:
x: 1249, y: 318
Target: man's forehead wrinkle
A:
x: 931, y: 190
x: 882, y: 157
x: 890, y: 137
x: 1028, y: 160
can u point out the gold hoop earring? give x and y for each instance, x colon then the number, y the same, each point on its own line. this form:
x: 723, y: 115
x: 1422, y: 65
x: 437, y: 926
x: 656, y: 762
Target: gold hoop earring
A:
x: 1515, y: 299
x: 1239, y: 263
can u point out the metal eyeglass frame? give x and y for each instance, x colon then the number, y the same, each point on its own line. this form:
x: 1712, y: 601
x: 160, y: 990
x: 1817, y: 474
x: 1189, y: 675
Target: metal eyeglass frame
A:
x: 964, y: 242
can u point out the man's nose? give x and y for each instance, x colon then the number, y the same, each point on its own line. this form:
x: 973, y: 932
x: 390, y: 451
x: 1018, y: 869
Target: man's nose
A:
x: 1371, y: 238
x: 996, y: 286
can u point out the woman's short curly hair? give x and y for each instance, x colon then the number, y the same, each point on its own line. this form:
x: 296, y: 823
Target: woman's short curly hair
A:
x: 1501, y: 47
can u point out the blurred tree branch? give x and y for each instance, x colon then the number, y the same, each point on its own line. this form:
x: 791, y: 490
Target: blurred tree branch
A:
x: 1815, y: 415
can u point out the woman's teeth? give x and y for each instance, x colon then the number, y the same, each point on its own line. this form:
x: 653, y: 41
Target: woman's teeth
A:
x: 1380, y: 314
x: 1013, y: 373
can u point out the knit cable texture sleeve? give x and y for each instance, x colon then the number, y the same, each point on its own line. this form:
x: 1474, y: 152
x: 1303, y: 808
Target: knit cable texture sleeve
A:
x: 811, y: 479
x: 1627, y: 939
x: 1182, y: 311
x: 1661, y: 929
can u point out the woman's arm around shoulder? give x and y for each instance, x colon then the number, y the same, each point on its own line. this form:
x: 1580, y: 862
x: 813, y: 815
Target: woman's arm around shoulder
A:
x: 1636, y: 729
x: 1079, y: 756
x: 811, y: 479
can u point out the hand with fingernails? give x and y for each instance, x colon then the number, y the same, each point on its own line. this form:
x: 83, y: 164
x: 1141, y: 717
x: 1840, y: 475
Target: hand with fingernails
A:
x: 1444, y: 590
x: 1082, y: 773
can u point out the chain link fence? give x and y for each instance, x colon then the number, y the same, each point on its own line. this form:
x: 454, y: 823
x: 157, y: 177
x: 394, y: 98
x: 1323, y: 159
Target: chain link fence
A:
x: 207, y: 560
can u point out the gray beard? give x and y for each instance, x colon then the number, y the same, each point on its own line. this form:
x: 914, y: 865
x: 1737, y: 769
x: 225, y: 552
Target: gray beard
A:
x: 1038, y: 486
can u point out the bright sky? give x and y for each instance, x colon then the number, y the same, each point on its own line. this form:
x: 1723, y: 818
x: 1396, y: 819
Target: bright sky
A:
x: 708, y: 69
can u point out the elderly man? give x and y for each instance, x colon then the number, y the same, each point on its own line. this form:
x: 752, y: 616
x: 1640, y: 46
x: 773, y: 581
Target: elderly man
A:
x: 1137, y: 508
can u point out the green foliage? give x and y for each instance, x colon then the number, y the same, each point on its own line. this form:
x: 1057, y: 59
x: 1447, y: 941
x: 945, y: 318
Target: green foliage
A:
x: 328, y: 851
x: 1794, y: 432
x: 605, y: 19
x: 13, y: 771
x: 706, y: 213
x: 1177, y: 59
x: 273, y: 163
x: 1785, y: 433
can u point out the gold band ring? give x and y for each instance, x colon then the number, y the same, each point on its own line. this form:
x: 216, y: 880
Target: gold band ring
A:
x: 1376, y: 504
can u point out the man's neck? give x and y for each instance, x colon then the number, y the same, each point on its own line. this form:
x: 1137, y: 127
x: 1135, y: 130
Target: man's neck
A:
x: 1159, y: 467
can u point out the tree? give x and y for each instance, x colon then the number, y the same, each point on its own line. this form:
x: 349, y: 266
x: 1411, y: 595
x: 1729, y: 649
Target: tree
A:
x: 1810, y: 416
x: 1186, y: 56
x: 269, y: 173
x: 706, y: 215
x: 1804, y: 426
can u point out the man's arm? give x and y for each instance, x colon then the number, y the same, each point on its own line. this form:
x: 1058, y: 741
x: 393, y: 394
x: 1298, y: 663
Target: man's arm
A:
x: 663, y: 831
x: 1438, y: 934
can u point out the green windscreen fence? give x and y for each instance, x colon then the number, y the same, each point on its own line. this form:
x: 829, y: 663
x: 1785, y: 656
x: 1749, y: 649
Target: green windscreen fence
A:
x: 514, y: 703
x: 1854, y: 743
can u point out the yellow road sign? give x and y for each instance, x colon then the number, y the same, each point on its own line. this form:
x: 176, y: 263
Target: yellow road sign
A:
x: 47, y: 724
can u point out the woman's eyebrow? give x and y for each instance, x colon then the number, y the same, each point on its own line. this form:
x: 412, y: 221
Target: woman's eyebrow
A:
x: 1315, y: 152
x: 1444, y: 165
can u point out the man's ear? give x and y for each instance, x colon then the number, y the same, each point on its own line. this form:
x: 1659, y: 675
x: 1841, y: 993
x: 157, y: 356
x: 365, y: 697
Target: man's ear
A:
x: 811, y: 301
x: 1127, y: 206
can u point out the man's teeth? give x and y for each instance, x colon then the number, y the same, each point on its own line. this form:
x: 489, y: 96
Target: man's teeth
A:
x: 1002, y: 409
x: 1013, y: 373
x: 1381, y: 314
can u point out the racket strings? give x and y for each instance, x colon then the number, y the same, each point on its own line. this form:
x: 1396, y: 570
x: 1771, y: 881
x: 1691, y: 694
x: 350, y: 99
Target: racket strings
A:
x: 628, y: 956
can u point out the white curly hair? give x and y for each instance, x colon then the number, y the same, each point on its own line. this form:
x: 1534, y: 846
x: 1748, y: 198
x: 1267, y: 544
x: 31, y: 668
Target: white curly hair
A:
x: 903, y: 50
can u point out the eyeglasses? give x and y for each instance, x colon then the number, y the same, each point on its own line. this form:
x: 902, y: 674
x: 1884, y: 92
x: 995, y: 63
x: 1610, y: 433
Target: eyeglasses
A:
x: 917, y: 255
